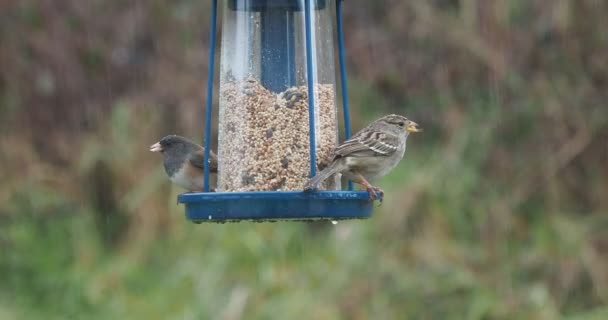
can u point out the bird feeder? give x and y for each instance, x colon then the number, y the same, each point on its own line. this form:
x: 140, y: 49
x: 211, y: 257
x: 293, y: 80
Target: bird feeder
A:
x: 277, y: 114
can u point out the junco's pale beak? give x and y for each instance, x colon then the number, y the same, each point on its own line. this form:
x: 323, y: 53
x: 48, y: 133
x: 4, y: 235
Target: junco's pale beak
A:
x: 413, y: 127
x: 156, y: 147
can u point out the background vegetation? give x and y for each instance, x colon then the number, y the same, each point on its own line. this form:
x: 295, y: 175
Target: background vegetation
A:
x: 498, y: 212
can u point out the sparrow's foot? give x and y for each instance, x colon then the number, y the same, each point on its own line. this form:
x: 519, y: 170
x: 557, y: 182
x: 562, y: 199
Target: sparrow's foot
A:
x: 309, y: 188
x: 375, y: 193
x: 372, y: 193
x: 380, y: 192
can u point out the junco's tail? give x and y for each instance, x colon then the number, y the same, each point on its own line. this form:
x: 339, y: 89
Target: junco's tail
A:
x: 333, y: 168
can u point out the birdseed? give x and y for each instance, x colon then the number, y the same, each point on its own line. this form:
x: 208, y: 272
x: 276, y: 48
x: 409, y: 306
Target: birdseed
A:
x: 264, y: 136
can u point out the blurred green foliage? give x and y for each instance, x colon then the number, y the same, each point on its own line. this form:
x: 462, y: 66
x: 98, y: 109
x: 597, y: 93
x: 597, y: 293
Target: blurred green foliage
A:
x: 499, y: 210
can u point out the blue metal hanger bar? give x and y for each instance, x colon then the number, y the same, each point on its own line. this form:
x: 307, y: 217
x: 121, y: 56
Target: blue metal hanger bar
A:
x: 342, y: 68
x: 209, y: 105
x: 311, y: 97
x: 343, y: 79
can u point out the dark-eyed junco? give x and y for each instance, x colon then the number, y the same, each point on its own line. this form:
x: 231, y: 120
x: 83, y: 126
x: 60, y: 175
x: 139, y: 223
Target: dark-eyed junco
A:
x: 370, y: 153
x: 183, y: 160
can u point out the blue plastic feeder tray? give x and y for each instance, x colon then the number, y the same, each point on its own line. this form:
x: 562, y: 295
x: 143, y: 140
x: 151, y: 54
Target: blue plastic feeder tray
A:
x: 274, y: 205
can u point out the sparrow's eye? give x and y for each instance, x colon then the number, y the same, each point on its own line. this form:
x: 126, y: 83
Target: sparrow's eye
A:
x: 401, y: 124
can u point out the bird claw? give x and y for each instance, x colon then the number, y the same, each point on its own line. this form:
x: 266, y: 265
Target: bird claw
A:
x: 309, y: 189
x: 374, y: 192
x: 381, y: 192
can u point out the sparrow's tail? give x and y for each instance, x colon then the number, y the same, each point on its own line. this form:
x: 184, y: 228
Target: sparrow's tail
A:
x: 333, y: 168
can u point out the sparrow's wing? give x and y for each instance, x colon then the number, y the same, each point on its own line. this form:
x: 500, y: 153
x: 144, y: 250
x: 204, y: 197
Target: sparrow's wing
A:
x: 369, y: 143
x: 197, y: 159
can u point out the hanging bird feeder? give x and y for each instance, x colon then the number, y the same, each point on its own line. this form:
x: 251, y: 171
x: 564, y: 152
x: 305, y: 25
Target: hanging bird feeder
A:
x: 277, y: 114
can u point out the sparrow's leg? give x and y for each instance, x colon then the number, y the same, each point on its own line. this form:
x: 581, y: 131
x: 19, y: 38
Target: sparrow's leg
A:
x: 371, y: 189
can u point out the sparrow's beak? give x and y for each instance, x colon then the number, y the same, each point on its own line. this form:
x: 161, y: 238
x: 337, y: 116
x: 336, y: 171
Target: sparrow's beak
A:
x: 156, y: 147
x: 413, y: 127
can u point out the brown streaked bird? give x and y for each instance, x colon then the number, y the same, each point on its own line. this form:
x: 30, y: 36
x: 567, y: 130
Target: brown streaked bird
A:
x: 370, y: 153
x: 183, y: 161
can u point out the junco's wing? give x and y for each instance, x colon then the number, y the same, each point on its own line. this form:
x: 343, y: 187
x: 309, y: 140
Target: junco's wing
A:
x: 197, y: 159
x: 369, y: 143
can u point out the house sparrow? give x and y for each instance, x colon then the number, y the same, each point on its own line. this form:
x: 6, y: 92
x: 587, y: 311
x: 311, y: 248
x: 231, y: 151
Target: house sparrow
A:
x: 370, y: 153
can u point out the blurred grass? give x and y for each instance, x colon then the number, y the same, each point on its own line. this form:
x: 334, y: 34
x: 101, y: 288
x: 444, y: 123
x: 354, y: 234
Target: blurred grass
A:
x: 498, y: 212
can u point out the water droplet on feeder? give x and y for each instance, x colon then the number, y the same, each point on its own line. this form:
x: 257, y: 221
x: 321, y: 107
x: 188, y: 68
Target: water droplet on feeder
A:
x: 334, y: 222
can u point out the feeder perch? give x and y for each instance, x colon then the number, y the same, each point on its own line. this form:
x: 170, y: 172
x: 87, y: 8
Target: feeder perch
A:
x: 277, y: 115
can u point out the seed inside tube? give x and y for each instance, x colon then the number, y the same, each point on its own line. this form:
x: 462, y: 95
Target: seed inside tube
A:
x: 264, y: 136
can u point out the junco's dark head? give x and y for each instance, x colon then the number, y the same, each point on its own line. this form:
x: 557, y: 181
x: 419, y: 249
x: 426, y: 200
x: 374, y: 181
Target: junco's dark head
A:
x: 172, y: 144
x: 184, y: 161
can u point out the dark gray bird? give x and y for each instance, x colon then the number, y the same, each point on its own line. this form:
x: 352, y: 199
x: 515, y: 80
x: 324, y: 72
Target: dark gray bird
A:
x: 370, y: 153
x: 183, y: 161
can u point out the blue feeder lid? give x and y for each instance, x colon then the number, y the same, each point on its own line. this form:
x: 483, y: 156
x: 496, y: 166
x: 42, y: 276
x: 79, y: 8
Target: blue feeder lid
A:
x: 263, y: 5
x: 276, y: 205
